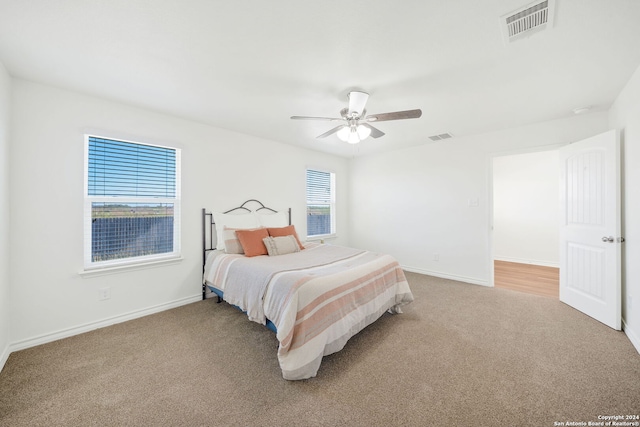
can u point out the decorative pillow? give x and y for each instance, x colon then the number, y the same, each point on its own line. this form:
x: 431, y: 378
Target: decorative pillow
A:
x: 289, y: 230
x: 281, y: 245
x: 231, y: 242
x: 278, y: 219
x: 251, y: 241
x: 238, y: 221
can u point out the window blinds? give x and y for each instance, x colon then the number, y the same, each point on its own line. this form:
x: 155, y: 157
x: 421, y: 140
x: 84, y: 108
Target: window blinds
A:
x: 119, y: 168
x: 318, y: 186
x: 131, y: 201
x: 320, y: 203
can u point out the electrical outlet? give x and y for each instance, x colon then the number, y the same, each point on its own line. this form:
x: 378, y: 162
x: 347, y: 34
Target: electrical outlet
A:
x: 104, y: 293
x: 436, y: 257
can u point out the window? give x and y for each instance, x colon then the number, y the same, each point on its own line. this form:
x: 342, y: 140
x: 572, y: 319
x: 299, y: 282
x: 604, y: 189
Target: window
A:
x: 132, y: 203
x: 321, y: 201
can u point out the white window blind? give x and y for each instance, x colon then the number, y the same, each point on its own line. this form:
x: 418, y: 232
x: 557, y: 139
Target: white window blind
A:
x: 132, y: 202
x: 320, y: 203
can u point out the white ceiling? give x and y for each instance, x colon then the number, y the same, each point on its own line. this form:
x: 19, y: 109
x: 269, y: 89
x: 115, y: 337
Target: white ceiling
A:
x: 249, y: 65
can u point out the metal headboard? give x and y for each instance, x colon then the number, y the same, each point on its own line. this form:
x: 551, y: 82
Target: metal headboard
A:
x: 208, y: 227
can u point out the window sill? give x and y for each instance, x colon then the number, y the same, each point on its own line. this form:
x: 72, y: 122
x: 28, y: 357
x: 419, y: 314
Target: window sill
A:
x: 103, y: 271
x: 321, y: 237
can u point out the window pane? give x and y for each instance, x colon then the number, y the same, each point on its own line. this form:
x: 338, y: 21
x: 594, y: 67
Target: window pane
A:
x: 118, y: 168
x: 125, y: 230
x: 318, y: 219
x: 318, y: 186
x: 320, y: 203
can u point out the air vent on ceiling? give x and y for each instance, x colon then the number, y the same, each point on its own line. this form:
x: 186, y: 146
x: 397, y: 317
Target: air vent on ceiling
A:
x: 527, y: 20
x: 440, y: 137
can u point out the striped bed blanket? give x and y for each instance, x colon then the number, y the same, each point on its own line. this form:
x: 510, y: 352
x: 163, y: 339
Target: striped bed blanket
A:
x: 317, y: 298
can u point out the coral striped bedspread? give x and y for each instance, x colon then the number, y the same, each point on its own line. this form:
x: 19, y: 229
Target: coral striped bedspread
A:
x: 317, y: 298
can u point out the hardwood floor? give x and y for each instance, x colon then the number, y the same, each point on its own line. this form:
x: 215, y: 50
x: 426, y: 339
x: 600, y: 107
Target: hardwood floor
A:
x: 528, y: 278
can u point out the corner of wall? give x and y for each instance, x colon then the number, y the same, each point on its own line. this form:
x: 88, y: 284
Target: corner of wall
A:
x: 624, y: 115
x: 4, y: 356
x: 5, y: 103
x: 632, y: 335
x: 627, y: 98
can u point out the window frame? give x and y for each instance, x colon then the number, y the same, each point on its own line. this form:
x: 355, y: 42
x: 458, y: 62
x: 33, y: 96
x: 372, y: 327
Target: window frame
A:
x: 331, y: 203
x: 135, y: 261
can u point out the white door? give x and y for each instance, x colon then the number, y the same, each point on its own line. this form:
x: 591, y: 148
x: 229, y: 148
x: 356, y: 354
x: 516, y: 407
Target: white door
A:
x: 590, y: 243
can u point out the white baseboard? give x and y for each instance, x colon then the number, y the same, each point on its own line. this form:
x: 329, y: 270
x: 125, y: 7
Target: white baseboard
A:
x: 65, y: 333
x: 4, y: 356
x: 528, y: 261
x: 632, y: 335
x: 465, y: 279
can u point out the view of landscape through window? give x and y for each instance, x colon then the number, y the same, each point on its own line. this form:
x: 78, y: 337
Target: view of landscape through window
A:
x: 132, y: 192
x: 320, y: 202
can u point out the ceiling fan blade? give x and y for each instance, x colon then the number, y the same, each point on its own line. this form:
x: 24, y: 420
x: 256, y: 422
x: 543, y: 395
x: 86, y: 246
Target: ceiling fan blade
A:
x: 328, y: 119
x: 375, y: 133
x: 398, y: 115
x: 357, y: 102
x: 330, y: 132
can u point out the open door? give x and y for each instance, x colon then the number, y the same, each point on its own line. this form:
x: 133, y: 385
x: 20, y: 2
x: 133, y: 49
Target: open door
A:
x: 590, y: 240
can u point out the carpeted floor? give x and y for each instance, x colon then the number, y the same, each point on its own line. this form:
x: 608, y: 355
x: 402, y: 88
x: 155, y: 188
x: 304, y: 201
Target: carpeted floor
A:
x: 460, y: 355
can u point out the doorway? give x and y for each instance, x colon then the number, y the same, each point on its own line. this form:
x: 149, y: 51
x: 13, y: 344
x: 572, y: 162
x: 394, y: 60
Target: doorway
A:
x: 526, y: 222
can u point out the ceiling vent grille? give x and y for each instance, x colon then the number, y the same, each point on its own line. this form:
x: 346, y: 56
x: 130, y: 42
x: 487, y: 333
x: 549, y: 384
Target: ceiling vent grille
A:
x: 440, y: 137
x: 527, y: 20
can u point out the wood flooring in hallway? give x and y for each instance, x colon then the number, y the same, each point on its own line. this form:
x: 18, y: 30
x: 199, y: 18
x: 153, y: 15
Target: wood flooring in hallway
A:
x: 529, y: 278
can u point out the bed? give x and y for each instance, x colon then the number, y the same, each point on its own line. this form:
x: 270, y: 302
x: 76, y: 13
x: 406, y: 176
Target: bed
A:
x: 314, y: 296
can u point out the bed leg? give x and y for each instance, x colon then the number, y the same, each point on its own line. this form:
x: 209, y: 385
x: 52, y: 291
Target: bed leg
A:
x: 219, y: 300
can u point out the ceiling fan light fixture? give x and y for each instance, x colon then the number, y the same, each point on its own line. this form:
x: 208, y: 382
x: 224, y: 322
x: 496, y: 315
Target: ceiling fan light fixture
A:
x: 363, y: 132
x: 354, y: 138
x: 352, y: 130
x: 353, y: 134
x: 343, y: 134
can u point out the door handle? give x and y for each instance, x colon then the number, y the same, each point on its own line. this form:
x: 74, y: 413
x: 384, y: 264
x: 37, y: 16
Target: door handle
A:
x: 610, y: 239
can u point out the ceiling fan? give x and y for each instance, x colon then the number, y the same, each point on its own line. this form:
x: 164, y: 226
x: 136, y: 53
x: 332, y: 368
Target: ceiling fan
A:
x: 356, y: 125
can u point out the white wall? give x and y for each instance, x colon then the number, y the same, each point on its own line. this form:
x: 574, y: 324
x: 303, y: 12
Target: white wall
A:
x: 625, y: 115
x: 414, y: 203
x: 5, y: 102
x: 526, y: 208
x: 220, y: 169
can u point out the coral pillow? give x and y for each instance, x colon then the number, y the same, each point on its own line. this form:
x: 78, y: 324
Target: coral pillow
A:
x: 231, y: 242
x: 241, y: 221
x: 289, y: 230
x: 251, y: 241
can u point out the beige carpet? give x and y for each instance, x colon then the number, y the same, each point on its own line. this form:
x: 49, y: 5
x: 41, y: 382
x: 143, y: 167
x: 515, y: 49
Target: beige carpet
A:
x: 460, y: 355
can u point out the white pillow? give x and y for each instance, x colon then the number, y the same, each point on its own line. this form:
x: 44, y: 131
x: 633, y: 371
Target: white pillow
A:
x: 239, y: 221
x: 231, y: 242
x: 273, y: 220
